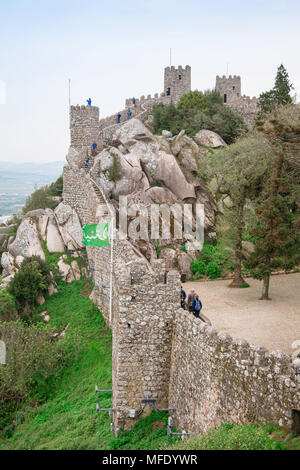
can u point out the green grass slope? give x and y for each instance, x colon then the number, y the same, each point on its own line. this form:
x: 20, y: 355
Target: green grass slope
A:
x: 68, y: 419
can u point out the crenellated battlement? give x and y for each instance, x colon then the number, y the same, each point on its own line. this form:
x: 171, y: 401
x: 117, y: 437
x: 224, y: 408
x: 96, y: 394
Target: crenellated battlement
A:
x: 230, y: 77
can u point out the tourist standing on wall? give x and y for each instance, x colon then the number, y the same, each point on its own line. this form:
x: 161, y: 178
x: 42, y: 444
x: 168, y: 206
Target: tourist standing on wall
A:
x: 191, y: 297
x: 182, y: 298
x: 119, y: 118
x: 129, y: 113
x: 89, y: 102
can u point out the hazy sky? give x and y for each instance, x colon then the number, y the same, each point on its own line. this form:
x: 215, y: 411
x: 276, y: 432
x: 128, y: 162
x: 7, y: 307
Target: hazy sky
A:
x: 113, y: 50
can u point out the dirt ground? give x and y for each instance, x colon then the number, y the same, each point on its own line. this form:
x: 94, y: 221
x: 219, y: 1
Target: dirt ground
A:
x: 273, y: 324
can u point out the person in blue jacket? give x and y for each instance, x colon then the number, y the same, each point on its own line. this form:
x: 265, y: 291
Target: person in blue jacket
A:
x: 196, y: 306
x: 129, y: 113
x: 89, y: 102
x: 182, y: 298
x: 119, y: 118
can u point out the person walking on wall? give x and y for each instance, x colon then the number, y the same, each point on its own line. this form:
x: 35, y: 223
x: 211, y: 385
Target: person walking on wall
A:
x: 129, y: 113
x: 89, y: 102
x: 133, y: 101
x: 87, y: 163
x: 191, y: 297
x: 94, y: 149
x: 182, y: 298
x: 197, y: 306
x: 119, y: 118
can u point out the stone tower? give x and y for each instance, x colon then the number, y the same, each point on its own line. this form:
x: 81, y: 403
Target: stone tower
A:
x: 229, y: 88
x: 84, y: 126
x: 177, y: 82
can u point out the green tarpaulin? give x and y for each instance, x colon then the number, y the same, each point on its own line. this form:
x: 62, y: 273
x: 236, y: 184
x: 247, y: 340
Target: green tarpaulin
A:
x: 96, y: 234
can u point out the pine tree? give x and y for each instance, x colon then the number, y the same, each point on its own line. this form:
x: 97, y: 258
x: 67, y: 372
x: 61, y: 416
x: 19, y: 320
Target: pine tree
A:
x: 277, y: 233
x: 279, y: 95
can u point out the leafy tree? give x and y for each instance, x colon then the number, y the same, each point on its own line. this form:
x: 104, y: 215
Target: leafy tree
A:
x: 193, y: 100
x: 32, y: 279
x: 165, y: 117
x: 279, y: 95
x: 277, y: 232
x: 227, y: 123
x: 195, y: 111
x: 237, y: 173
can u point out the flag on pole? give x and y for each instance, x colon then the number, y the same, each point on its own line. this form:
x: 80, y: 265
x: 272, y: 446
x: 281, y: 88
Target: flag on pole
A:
x: 96, y: 234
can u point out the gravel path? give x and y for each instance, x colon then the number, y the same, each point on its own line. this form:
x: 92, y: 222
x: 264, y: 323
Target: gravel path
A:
x: 273, y: 324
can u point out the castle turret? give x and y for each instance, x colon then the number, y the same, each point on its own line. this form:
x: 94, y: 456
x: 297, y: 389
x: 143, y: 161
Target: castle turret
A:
x: 229, y: 88
x: 177, y: 82
x: 84, y: 126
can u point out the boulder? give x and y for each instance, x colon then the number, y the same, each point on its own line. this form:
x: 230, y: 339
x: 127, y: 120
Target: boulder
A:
x: 178, y: 142
x: 160, y: 195
x: 169, y: 173
x: 7, y: 263
x: 62, y: 213
x: 69, y: 226
x: 76, y: 270
x: 54, y: 240
x: 27, y: 242
x: 184, y: 263
x: 209, y: 139
x: 188, y: 159
x: 131, y: 132
x: 69, y: 272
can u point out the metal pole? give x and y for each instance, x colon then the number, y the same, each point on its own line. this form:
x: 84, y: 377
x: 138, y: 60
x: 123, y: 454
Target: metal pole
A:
x: 111, y: 269
x: 170, y: 57
x: 69, y: 92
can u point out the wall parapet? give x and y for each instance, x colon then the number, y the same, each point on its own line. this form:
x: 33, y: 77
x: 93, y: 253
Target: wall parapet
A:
x: 216, y: 378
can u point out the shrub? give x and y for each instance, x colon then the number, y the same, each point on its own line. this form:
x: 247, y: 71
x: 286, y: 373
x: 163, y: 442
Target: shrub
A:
x: 115, y: 171
x: 244, y: 285
x: 214, y: 261
x: 32, y: 280
x: 213, y: 270
x: 8, y: 307
x: 198, y: 267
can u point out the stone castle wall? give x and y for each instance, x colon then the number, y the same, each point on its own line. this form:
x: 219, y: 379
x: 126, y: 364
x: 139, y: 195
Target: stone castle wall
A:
x: 84, y: 126
x: 178, y: 80
x: 142, y: 334
x: 230, y: 88
x: 216, y: 379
